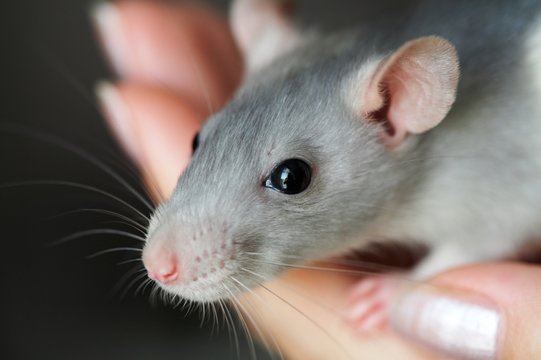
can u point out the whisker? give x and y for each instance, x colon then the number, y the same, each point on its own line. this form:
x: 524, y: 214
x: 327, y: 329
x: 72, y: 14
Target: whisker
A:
x: 57, y: 65
x: 214, y: 319
x: 190, y: 307
x: 175, y: 300
x: 61, y: 69
x: 131, y: 226
x: 226, y: 321
x: 152, y: 184
x: 251, y: 347
x: 369, y: 265
x: 210, y: 311
x: 142, y: 286
x: 257, y: 328
x: 52, y: 140
x: 164, y: 295
x: 167, y: 298
x: 86, y: 233
x: 132, y: 172
x: 108, y: 251
x: 202, y: 310
x: 183, y: 303
x: 152, y: 284
x: 153, y: 294
x: 129, y: 220
x: 232, y: 328
x: 179, y: 304
x: 82, y: 154
x: 308, y: 298
x: 402, y: 277
x: 319, y: 268
x: 296, y: 291
x: 133, y: 282
x: 129, y: 261
x: 312, y: 321
x: 120, y: 283
x: 73, y: 185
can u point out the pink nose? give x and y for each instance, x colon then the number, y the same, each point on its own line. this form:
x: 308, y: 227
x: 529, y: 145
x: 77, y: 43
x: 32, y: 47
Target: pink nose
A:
x: 162, y: 267
x: 164, y: 275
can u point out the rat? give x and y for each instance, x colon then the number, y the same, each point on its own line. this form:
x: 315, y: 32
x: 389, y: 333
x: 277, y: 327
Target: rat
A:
x: 421, y: 128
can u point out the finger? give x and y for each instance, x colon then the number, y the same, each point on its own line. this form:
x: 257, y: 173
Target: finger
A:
x: 186, y: 48
x: 478, y: 312
x: 156, y: 127
x: 301, y: 315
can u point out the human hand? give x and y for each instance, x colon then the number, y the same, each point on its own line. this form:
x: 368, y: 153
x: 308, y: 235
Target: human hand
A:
x: 177, y: 64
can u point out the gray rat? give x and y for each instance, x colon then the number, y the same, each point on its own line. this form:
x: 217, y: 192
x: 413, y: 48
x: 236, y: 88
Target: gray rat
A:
x: 335, y: 140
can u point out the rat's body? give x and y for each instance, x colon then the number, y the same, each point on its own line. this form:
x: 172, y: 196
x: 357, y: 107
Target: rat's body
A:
x: 477, y: 194
x: 470, y: 188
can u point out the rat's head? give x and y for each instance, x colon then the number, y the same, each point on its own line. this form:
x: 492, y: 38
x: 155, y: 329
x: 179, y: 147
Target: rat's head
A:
x: 295, y: 167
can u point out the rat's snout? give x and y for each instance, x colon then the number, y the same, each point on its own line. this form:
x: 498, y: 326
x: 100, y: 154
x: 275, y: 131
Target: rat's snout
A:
x: 162, y: 264
x: 190, y: 260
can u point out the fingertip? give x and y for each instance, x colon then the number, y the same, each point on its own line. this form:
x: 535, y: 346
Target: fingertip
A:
x: 482, y: 311
x: 117, y: 115
x: 185, y: 47
x: 107, y: 20
x: 464, y: 327
x: 169, y: 124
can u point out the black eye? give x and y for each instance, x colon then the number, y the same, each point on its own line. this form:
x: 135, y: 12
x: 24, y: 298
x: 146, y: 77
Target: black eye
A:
x: 195, y: 142
x: 290, y: 177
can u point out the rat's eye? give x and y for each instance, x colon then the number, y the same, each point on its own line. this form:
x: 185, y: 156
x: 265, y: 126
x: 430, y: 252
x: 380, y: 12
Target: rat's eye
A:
x: 290, y: 177
x: 195, y: 142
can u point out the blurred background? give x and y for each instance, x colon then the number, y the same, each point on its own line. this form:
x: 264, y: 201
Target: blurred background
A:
x: 56, y: 303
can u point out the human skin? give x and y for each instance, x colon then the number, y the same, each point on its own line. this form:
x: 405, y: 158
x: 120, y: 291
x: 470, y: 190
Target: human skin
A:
x: 178, y: 64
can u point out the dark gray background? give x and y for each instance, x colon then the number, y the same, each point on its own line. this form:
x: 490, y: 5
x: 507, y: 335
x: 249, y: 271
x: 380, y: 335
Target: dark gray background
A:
x: 55, y: 303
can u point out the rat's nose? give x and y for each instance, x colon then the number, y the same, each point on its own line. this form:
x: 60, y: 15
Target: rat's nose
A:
x: 162, y: 266
x: 164, y: 275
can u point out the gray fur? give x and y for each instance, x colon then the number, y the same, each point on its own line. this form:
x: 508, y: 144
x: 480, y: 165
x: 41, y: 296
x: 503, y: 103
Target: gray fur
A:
x: 470, y: 188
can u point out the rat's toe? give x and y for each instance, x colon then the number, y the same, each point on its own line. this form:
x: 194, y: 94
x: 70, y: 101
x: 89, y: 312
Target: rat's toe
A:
x: 370, y: 301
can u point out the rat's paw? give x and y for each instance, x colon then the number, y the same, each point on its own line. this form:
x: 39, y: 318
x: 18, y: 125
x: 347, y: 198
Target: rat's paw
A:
x: 370, y: 302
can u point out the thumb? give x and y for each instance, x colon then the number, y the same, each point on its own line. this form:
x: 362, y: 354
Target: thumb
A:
x: 487, y: 311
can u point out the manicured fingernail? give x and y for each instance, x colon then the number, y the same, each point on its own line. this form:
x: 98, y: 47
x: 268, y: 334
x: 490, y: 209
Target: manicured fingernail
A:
x: 461, y: 329
x: 118, y: 116
x: 108, y: 23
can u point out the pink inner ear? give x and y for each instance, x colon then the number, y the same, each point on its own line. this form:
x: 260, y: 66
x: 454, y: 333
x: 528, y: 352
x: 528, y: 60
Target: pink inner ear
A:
x: 380, y: 115
x: 414, y: 89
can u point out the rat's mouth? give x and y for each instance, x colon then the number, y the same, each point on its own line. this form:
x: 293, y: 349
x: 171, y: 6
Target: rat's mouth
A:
x: 201, y: 292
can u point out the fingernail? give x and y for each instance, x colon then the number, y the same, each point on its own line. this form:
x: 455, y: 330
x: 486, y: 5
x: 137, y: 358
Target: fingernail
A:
x: 461, y: 329
x: 108, y: 23
x: 118, y: 116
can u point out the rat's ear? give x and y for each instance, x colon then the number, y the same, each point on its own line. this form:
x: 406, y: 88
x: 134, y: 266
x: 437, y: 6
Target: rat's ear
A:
x: 263, y: 30
x: 412, y: 90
